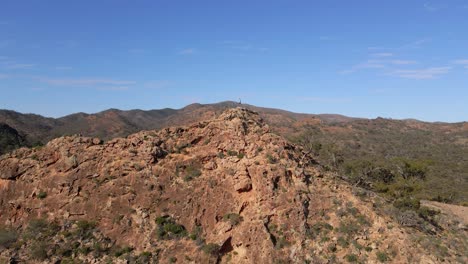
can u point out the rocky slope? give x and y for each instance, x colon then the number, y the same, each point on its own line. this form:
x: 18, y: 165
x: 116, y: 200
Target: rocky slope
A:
x: 10, y: 139
x: 113, y: 123
x: 337, y: 141
x: 225, y: 190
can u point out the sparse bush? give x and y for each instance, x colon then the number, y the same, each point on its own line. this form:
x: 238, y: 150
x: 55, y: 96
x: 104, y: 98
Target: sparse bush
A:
x: 382, y: 256
x: 144, y: 257
x: 38, y: 251
x: 85, y: 228
x: 169, y: 229
x: 196, y: 234
x: 342, y: 242
x: 349, y: 228
x: 121, y: 251
x: 211, y: 249
x: 180, y: 148
x: 192, y: 172
x: 42, y: 195
x: 271, y: 159
x: 318, y: 228
x: 7, y: 237
x: 233, y: 218
x: 232, y: 153
x: 40, y: 228
x: 351, y: 258
x: 282, y: 242
x: 407, y: 203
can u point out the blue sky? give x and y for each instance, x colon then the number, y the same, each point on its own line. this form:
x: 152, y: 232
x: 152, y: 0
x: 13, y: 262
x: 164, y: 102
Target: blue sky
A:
x: 398, y: 59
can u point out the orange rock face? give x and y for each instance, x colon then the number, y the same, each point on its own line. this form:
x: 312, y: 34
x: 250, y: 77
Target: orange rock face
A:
x: 227, y: 182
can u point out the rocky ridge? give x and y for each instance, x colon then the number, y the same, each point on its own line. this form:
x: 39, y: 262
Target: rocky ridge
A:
x: 219, y: 191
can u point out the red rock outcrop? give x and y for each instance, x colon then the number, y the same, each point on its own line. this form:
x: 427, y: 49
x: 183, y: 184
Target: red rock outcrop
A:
x: 227, y: 182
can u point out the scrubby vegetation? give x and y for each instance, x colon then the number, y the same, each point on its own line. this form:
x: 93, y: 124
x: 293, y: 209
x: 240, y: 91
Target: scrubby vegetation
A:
x: 69, y: 241
x: 10, y: 139
x: 169, y: 229
x: 233, y: 218
x: 393, y: 158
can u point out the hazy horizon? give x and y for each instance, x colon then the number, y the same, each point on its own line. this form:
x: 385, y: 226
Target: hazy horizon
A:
x: 364, y: 59
x: 179, y: 108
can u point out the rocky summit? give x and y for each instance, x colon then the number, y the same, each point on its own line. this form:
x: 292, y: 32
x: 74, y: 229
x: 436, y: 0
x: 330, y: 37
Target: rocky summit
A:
x: 226, y: 190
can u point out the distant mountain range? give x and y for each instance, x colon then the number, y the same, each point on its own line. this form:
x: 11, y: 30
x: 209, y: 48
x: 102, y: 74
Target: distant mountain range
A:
x: 118, y: 123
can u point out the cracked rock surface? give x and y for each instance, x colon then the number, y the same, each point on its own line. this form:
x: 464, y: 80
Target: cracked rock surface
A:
x: 228, y: 181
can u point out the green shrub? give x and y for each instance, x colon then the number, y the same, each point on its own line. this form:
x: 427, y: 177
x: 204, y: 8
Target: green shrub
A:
x: 414, y: 169
x: 42, y: 195
x: 407, y: 203
x: 233, y: 218
x: 192, y: 172
x: 271, y: 159
x: 232, y: 153
x: 382, y: 256
x: 7, y: 237
x: 38, y: 250
x: 318, y: 228
x: 281, y: 242
x: 351, y: 258
x: 349, y: 228
x: 180, y: 148
x: 169, y: 229
x: 211, y: 249
x: 121, y: 251
x: 144, y: 257
x: 40, y: 228
x: 85, y: 228
x: 342, y: 242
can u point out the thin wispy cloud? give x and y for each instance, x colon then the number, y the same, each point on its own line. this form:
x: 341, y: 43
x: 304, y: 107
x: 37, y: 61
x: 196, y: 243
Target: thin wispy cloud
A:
x: 378, y: 91
x: 63, y: 68
x: 19, y: 66
x: 403, y: 62
x: 242, y: 46
x: 419, y: 74
x: 369, y: 64
x: 415, y: 44
x: 382, y: 54
x: 158, y: 84
x: 114, y: 88
x: 86, y: 82
x: 430, y: 7
x: 462, y: 62
x: 188, y: 51
x: 385, y: 58
x: 375, y: 48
